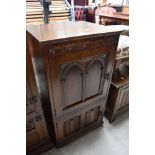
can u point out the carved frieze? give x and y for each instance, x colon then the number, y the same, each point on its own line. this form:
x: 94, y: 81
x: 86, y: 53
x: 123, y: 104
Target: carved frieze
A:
x: 78, y: 46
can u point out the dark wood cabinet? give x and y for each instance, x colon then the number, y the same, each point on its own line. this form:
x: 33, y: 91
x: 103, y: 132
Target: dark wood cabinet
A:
x: 73, y: 63
x: 37, y: 136
x: 118, y: 98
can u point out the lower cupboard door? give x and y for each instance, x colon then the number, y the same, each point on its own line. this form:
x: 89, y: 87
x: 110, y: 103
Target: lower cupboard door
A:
x: 75, y: 123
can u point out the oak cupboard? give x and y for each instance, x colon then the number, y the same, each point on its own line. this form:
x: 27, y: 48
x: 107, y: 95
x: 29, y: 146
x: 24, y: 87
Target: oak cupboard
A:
x: 73, y: 63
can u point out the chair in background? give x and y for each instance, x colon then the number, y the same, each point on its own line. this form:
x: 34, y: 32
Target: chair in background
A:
x: 85, y: 13
x: 108, y: 10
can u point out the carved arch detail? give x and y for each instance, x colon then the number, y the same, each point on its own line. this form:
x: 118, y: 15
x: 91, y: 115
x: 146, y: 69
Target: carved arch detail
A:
x: 93, y: 61
x: 77, y: 80
x: 69, y: 67
x: 95, y: 69
x: 72, y: 82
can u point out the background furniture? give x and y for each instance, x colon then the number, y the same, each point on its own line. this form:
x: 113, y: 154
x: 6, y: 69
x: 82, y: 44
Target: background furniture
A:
x: 85, y: 13
x: 69, y: 57
x: 115, y: 17
x: 118, y: 98
x: 106, y: 10
x: 38, y: 139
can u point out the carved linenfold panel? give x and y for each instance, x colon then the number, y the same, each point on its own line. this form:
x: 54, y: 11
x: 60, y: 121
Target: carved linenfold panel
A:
x: 30, y: 125
x: 92, y: 115
x: 71, y: 126
x: 78, y: 46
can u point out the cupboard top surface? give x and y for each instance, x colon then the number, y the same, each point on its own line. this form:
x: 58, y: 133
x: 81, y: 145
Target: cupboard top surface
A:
x: 65, y: 30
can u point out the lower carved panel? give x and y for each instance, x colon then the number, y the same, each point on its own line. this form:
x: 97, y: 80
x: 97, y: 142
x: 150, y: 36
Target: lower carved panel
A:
x: 71, y: 126
x: 92, y: 116
x: 77, y: 122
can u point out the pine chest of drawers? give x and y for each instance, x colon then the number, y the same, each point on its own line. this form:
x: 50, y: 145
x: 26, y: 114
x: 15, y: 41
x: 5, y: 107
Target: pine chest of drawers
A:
x: 73, y: 64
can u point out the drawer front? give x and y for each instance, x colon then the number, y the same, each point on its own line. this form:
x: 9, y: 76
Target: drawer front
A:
x: 75, y: 123
x: 82, y: 76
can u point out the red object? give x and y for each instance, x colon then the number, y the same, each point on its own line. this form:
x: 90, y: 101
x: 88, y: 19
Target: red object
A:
x: 85, y: 13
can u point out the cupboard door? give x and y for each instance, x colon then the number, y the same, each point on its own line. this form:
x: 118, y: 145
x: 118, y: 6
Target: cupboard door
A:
x: 71, y: 125
x: 78, y: 83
